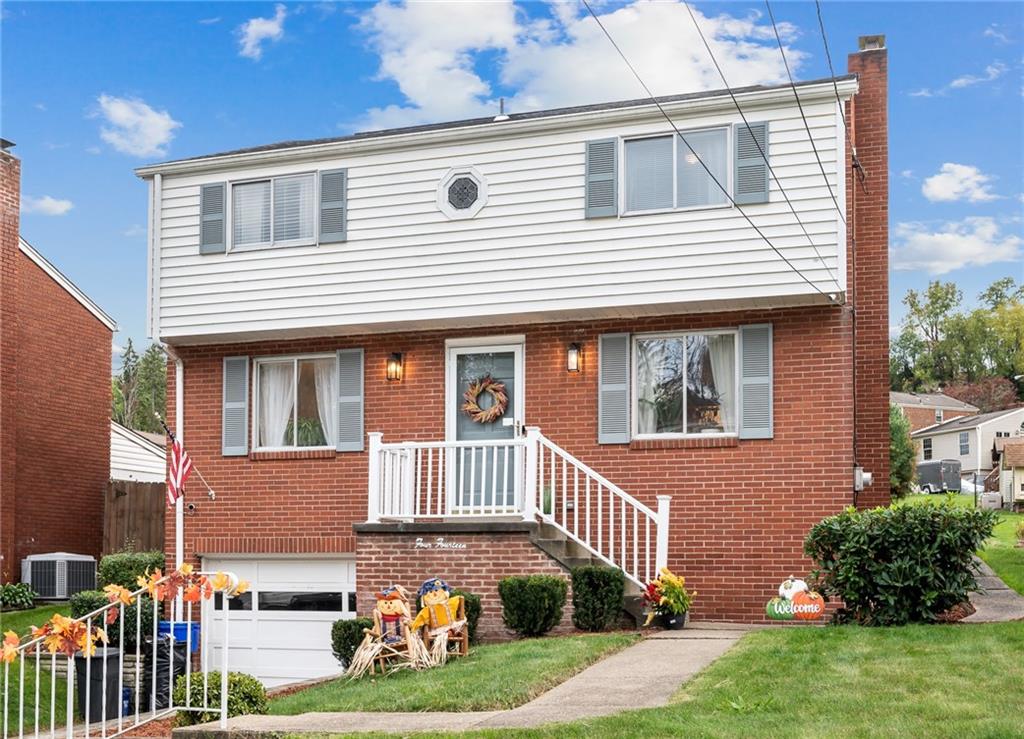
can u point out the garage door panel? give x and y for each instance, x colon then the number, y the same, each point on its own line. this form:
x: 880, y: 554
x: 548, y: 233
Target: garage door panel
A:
x: 297, y: 635
x: 314, y: 573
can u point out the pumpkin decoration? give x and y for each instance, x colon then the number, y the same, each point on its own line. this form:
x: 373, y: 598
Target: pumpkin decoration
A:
x: 779, y: 609
x: 808, y: 605
x: 492, y: 387
x: 791, y: 587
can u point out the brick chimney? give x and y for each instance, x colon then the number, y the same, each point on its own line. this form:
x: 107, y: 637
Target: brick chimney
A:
x: 868, y: 239
x: 10, y: 202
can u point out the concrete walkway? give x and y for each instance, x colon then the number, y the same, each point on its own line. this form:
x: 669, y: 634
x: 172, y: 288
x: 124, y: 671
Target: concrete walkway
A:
x: 996, y: 602
x: 645, y: 675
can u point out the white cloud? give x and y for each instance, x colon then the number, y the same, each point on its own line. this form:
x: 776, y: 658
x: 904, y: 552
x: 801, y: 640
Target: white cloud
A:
x: 39, y: 106
x: 133, y: 127
x: 209, y: 21
x: 972, y: 242
x: 958, y: 182
x: 992, y: 72
x: 45, y: 205
x: 993, y: 32
x: 924, y: 92
x: 255, y: 31
x: 432, y: 51
x: 907, y: 174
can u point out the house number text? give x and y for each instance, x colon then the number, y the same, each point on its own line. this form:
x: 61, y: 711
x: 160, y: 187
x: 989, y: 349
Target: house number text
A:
x: 438, y: 543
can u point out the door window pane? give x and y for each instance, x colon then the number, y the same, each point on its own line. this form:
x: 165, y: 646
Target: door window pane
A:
x: 250, y: 213
x: 710, y: 383
x: 294, y: 208
x: 661, y: 376
x: 695, y: 187
x: 241, y: 602
x: 297, y: 601
x: 649, y: 173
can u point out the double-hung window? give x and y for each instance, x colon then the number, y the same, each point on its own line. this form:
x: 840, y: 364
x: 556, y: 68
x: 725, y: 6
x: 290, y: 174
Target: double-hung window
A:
x: 686, y: 384
x: 296, y: 402
x: 965, y: 443
x: 665, y: 172
x: 926, y: 448
x: 279, y: 211
x: 938, y: 415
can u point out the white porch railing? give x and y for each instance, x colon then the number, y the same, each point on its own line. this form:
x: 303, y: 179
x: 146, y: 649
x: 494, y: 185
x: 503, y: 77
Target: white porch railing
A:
x: 38, y: 712
x: 528, y: 477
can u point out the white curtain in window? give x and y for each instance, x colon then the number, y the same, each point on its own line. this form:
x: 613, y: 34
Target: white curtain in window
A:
x: 648, y: 359
x: 277, y: 398
x: 326, y: 397
x: 695, y: 187
x: 294, y: 208
x: 250, y: 213
x: 722, y: 352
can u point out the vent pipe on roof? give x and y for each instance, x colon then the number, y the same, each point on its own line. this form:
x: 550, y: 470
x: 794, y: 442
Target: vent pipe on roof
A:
x: 501, y: 111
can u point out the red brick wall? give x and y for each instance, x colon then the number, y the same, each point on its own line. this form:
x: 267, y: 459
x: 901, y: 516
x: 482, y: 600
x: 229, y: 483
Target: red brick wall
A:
x: 921, y: 417
x: 10, y: 187
x: 383, y: 559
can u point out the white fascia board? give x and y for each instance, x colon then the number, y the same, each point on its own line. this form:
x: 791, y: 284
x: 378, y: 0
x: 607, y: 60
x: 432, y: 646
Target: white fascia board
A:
x: 71, y: 288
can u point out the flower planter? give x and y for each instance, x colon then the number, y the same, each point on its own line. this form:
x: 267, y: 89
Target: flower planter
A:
x: 674, y: 622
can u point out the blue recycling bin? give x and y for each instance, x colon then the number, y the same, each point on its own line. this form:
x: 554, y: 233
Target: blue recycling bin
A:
x: 180, y: 631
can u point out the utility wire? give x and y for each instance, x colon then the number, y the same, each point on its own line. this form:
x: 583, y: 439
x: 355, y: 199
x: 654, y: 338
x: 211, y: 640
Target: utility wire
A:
x: 757, y: 143
x: 710, y: 174
x: 810, y: 137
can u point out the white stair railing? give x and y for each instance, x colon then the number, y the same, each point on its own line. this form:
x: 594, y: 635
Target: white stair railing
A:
x: 36, y: 714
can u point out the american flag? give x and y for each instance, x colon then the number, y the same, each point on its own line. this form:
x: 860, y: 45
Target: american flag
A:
x: 181, y: 468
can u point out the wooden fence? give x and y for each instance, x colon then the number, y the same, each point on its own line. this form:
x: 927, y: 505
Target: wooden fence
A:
x: 133, y: 516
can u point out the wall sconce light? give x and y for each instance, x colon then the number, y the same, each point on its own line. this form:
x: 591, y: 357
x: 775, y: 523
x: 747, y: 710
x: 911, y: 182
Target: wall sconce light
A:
x: 394, y: 367
x: 574, y: 358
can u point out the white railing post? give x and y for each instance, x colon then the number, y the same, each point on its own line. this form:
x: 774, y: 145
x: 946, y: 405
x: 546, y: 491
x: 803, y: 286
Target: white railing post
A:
x: 661, y: 548
x: 373, y: 478
x: 224, y: 669
x: 530, y: 483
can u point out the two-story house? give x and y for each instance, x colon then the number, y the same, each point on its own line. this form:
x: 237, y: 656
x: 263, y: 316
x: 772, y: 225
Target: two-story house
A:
x: 927, y: 409
x: 497, y: 346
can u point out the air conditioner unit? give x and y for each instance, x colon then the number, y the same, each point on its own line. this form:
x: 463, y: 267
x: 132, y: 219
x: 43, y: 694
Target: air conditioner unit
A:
x: 59, y: 575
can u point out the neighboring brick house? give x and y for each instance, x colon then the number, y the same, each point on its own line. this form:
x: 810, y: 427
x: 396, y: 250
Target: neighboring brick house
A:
x: 55, y: 346
x: 329, y: 304
x: 928, y: 409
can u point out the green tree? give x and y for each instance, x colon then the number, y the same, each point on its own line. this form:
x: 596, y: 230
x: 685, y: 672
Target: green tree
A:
x: 140, y: 388
x: 929, y: 314
x: 902, y: 456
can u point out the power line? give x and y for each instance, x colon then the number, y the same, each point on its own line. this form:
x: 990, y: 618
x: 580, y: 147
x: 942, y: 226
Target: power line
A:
x: 803, y: 116
x: 757, y: 143
x: 710, y: 174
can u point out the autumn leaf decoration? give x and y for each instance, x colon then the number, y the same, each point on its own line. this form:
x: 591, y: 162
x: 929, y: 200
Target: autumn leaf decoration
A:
x: 10, y: 647
x: 495, y: 389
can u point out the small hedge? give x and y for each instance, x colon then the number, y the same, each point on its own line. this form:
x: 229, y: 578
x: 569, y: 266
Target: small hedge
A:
x: 124, y: 568
x: 474, y: 608
x: 88, y: 601
x: 346, y: 637
x: 531, y: 605
x: 898, y: 565
x: 246, y: 696
x: 16, y: 596
x: 596, y: 597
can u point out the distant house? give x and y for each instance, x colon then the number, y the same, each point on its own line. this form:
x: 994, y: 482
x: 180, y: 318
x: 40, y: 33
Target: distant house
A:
x: 1011, y: 476
x: 136, y: 456
x: 928, y: 409
x: 969, y: 439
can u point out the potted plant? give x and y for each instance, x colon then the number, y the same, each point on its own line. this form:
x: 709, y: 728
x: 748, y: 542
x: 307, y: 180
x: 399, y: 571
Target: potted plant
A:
x: 667, y: 599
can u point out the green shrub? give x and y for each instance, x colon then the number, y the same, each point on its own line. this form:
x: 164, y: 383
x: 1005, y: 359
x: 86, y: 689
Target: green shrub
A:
x: 474, y: 608
x: 531, y: 605
x: 897, y: 565
x: 246, y: 695
x: 88, y: 601
x: 346, y: 636
x: 124, y: 568
x: 902, y: 455
x: 596, y: 597
x: 16, y: 596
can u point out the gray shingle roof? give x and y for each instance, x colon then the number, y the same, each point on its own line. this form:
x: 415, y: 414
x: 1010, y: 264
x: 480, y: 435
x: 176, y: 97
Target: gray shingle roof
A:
x: 930, y: 400
x: 962, y: 423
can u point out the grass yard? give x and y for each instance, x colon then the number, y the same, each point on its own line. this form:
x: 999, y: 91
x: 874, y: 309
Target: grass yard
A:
x: 1001, y: 553
x: 493, y: 676
x: 18, y: 622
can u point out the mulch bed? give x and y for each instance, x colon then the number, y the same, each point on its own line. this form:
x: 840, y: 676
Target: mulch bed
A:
x: 956, y: 613
x: 161, y: 728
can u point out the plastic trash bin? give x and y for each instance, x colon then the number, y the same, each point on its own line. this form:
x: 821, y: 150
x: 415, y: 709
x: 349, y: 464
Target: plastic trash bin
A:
x: 180, y: 632
x: 111, y: 656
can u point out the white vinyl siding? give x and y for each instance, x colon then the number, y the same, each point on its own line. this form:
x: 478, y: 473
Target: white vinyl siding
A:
x: 136, y: 458
x: 405, y: 265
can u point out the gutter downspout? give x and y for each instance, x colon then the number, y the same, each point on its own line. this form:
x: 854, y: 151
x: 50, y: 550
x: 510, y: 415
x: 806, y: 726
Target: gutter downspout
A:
x: 179, y: 430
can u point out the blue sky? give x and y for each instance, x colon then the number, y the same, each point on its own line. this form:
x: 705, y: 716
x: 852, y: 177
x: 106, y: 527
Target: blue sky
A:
x: 92, y: 90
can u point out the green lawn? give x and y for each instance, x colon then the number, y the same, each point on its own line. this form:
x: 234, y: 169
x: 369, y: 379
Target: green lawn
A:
x: 18, y: 622
x: 1001, y: 553
x: 493, y: 676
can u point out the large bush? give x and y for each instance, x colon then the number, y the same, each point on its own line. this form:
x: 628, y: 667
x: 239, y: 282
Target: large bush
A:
x: 596, y: 597
x: 897, y: 565
x: 346, y: 636
x: 124, y: 568
x: 531, y: 605
x: 902, y: 456
x: 246, y: 695
x: 474, y: 607
x: 16, y: 596
x: 88, y: 601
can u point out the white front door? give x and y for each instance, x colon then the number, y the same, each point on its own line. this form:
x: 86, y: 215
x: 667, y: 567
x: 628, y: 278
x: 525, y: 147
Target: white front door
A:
x: 485, y: 477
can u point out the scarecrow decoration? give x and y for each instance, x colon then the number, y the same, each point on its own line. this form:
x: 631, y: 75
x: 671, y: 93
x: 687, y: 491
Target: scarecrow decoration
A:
x: 390, y: 641
x: 443, y: 615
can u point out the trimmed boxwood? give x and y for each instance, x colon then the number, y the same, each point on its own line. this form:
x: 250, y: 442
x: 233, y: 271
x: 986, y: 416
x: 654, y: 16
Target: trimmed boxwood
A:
x: 596, y: 597
x: 474, y: 608
x: 898, y: 565
x: 346, y: 636
x: 246, y: 696
x: 88, y: 601
x: 531, y: 605
x: 124, y: 568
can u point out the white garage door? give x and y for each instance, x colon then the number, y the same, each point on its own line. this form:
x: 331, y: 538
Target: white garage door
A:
x: 280, y: 631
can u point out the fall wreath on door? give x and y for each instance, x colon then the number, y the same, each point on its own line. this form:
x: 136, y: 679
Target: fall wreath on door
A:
x: 476, y: 389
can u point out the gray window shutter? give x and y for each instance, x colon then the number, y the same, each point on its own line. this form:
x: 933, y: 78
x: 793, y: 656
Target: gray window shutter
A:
x: 212, y: 200
x: 613, y: 389
x: 602, y: 174
x: 235, y: 414
x: 756, y: 382
x: 350, y: 400
x: 333, y: 209
x: 751, y: 178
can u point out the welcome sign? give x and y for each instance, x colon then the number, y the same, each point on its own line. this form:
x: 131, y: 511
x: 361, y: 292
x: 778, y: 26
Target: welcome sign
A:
x: 795, y: 601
